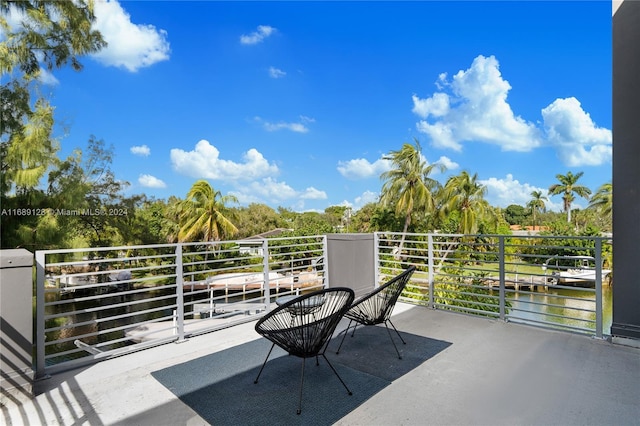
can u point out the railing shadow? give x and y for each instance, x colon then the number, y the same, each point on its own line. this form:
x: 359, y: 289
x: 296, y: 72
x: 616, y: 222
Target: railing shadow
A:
x: 44, y: 408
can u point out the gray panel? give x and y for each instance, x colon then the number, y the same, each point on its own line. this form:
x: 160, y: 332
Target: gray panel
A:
x: 16, y: 322
x: 626, y: 173
x: 351, y: 261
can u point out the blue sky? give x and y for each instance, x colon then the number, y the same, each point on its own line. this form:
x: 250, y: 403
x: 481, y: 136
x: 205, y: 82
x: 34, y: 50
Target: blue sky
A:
x: 294, y: 104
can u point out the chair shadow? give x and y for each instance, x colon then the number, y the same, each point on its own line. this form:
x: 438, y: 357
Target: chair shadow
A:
x: 220, y: 387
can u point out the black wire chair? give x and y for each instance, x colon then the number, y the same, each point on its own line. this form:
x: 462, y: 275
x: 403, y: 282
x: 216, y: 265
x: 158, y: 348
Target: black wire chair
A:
x: 304, y: 326
x: 376, y: 307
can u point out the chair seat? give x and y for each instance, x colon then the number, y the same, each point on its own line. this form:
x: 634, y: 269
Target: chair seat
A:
x: 376, y: 307
x: 303, y: 325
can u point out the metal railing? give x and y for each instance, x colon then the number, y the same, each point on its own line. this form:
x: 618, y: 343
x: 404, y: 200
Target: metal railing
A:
x: 96, y: 303
x: 525, y: 279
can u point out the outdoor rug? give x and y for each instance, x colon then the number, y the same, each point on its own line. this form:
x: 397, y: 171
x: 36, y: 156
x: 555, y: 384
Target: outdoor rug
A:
x: 220, y: 388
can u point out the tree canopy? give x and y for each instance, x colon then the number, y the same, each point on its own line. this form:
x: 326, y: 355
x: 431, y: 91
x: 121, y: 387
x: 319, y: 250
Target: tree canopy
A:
x: 568, y: 186
x: 51, y: 34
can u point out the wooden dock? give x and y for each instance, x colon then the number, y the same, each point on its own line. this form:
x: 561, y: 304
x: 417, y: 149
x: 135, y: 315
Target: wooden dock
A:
x: 518, y: 283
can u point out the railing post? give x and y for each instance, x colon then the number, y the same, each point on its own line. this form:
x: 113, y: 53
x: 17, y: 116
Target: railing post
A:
x: 40, y: 300
x: 431, y: 274
x: 266, y: 289
x: 326, y: 283
x: 376, y: 258
x: 502, y: 276
x: 179, y: 293
x: 598, y: 260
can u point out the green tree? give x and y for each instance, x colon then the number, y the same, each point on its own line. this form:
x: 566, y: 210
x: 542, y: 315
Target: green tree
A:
x: 51, y: 34
x: 602, y: 200
x: 85, y: 182
x: 537, y: 204
x: 515, y: 214
x: 83, y: 204
x: 170, y: 222
x: 384, y: 218
x: 256, y: 219
x: 463, y: 193
x: 202, y: 214
x: 362, y: 219
x: 407, y: 186
x: 340, y: 216
x: 313, y: 223
x: 568, y: 187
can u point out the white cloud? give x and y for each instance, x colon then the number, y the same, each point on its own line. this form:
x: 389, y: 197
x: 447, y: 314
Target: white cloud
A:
x: 298, y: 127
x: 473, y: 107
x: 269, y: 190
x: 441, y: 134
x: 366, y: 198
x: 130, y: 46
x: 437, y: 105
x: 257, y: 36
x: 294, y: 127
x: 276, y: 73
x: 572, y: 132
x: 313, y: 194
x: 47, y: 78
x: 149, y: 181
x: 361, y: 168
x: 507, y: 191
x: 141, y: 150
x: 475, y: 110
x: 205, y: 162
x: 448, y: 163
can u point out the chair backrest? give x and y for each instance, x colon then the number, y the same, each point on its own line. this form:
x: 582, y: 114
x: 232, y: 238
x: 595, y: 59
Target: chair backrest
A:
x: 377, y: 306
x: 303, y: 325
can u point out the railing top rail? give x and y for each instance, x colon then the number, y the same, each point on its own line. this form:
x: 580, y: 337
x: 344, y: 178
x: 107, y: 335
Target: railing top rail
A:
x: 169, y: 245
x: 250, y: 240
x: 86, y: 249
x: 440, y: 234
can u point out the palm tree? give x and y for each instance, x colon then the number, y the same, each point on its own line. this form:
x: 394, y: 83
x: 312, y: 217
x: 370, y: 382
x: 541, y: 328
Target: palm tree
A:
x: 407, y: 185
x: 202, y: 214
x: 568, y: 187
x: 463, y: 193
x: 537, y: 204
x: 603, y: 199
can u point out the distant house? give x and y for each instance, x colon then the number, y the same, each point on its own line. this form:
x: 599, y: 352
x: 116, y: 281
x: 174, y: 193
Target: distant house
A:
x: 253, y: 245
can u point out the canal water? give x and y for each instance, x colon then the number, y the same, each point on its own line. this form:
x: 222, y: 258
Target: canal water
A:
x: 561, y: 306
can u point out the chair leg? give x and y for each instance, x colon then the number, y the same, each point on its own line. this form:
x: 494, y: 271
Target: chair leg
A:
x: 397, y: 332
x: 301, y: 385
x: 337, y: 375
x: 345, y: 335
x: 391, y: 337
x: 264, y: 363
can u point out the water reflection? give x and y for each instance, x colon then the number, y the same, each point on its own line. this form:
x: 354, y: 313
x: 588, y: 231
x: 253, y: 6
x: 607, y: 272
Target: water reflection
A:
x: 565, y: 307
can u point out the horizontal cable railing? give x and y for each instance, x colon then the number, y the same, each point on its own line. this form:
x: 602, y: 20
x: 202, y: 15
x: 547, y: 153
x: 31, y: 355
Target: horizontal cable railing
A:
x: 548, y: 281
x: 97, y: 303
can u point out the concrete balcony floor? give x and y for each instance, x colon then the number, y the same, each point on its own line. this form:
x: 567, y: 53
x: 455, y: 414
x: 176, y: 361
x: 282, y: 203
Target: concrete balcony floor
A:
x: 493, y: 373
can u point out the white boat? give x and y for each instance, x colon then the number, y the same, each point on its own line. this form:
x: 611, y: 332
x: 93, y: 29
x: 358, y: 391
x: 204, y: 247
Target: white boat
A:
x: 572, y: 270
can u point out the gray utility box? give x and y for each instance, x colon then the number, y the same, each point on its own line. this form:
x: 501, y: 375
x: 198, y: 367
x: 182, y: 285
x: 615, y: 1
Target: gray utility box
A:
x: 16, y: 324
x: 351, y: 262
